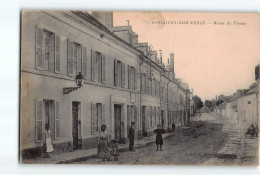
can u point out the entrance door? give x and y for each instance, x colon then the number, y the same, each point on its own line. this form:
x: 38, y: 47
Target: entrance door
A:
x: 143, y: 122
x: 162, y: 117
x: 118, y: 123
x: 76, y: 125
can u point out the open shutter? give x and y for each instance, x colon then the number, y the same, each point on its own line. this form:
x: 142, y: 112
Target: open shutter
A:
x: 135, y: 114
x: 84, y: 62
x: 39, y: 48
x: 103, y: 120
x: 38, y: 120
x: 123, y: 75
x: 57, y: 120
x: 57, y: 54
x: 128, y: 117
x: 93, y: 65
x: 79, y: 59
x: 115, y: 73
x: 70, y: 58
x: 103, y: 68
x: 51, y: 62
x: 93, y: 118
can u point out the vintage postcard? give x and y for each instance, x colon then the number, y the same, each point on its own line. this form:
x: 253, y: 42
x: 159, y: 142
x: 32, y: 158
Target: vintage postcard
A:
x: 139, y: 88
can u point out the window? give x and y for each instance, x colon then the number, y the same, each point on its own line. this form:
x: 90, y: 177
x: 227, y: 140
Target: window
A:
x: 249, y: 102
x: 47, y: 113
x: 119, y: 73
x: 131, y: 77
x: 143, y: 83
x: 47, y: 50
x: 98, y: 67
x: 97, y: 117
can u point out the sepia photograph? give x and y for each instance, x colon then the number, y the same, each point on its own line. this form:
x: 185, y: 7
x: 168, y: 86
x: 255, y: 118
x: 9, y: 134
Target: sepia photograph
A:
x: 139, y: 88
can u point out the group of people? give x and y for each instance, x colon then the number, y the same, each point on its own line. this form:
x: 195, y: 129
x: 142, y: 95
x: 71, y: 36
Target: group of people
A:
x: 107, y: 149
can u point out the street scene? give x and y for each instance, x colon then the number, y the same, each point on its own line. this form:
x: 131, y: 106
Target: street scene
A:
x: 139, y: 88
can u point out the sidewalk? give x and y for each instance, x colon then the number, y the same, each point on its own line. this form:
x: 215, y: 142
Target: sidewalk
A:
x: 84, y: 154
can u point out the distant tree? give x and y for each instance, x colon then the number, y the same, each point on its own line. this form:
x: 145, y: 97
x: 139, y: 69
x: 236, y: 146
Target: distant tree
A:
x: 198, y: 104
x: 208, y: 104
x: 219, y: 102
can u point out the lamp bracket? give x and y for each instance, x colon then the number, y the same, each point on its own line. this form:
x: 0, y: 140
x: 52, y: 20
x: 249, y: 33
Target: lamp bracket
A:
x: 67, y: 90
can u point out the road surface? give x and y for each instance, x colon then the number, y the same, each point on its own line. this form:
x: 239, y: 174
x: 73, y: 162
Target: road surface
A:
x: 218, y: 141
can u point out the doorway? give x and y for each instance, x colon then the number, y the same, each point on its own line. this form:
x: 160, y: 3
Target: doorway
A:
x: 76, y: 125
x: 118, y: 124
x: 162, y: 118
x: 144, y: 131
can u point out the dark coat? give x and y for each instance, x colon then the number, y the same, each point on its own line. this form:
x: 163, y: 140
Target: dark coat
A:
x: 131, y: 133
x: 159, y: 133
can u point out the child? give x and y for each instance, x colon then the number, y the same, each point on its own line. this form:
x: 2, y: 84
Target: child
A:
x: 47, y: 147
x: 159, y: 140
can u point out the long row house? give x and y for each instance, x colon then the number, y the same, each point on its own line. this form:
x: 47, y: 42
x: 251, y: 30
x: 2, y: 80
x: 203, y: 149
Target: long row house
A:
x: 125, y: 81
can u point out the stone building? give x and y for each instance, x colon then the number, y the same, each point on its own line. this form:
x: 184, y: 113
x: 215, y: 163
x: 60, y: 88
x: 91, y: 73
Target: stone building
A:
x: 123, y: 84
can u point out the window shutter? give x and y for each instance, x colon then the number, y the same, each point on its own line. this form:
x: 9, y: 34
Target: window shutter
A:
x: 39, y: 48
x: 115, y: 73
x: 103, y: 68
x: 57, y: 120
x: 93, y: 65
x: 70, y: 58
x: 84, y: 62
x: 129, y: 76
x: 135, y: 114
x: 103, y: 115
x: 79, y: 59
x: 135, y: 79
x: 93, y: 118
x: 57, y: 54
x: 38, y: 120
x: 123, y: 75
x: 51, y: 67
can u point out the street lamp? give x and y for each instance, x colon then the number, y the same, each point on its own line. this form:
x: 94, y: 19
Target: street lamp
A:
x: 79, y: 82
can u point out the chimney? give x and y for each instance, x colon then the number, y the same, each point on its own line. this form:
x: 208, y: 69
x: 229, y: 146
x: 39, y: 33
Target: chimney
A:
x: 172, y: 62
x: 128, y: 22
x: 104, y: 17
x: 160, y: 56
x: 239, y: 92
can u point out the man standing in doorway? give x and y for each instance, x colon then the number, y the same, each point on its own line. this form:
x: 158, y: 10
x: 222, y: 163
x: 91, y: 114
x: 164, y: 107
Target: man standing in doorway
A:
x: 131, y: 136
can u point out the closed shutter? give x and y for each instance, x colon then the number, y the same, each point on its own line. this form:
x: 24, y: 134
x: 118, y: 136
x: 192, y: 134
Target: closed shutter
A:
x: 38, y: 120
x: 103, y: 68
x: 38, y: 48
x: 57, y: 54
x: 135, y: 78
x: 123, y: 75
x: 129, y: 76
x: 93, y: 65
x: 93, y: 118
x: 70, y: 58
x: 159, y: 110
x: 135, y: 114
x: 128, y: 117
x: 84, y: 62
x: 103, y: 120
x: 57, y: 120
x: 115, y: 73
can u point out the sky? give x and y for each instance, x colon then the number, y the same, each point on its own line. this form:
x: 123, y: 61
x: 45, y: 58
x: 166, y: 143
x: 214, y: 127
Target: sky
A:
x: 217, y: 55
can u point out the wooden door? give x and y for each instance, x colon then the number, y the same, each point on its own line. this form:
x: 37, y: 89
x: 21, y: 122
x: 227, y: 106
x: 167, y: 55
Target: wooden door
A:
x: 117, y: 122
x: 75, y: 125
x: 143, y: 121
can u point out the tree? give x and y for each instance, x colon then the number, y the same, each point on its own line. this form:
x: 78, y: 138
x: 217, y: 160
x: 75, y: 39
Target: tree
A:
x: 208, y: 103
x: 198, y: 104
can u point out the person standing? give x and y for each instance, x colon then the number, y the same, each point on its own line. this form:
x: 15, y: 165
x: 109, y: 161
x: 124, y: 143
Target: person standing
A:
x: 159, y: 140
x: 47, y: 146
x: 103, y: 144
x: 131, y: 136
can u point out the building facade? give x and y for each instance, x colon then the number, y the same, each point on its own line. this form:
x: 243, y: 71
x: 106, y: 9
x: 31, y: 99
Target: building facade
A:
x: 122, y: 83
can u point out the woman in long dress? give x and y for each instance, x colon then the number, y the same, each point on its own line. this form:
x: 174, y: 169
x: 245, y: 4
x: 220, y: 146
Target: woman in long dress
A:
x: 47, y: 146
x: 103, y: 145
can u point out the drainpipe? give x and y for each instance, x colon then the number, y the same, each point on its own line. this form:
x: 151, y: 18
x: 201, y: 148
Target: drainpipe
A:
x: 168, y: 103
x: 141, y: 57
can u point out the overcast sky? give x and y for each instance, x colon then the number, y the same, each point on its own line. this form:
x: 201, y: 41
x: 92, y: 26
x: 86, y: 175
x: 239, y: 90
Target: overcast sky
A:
x: 212, y: 59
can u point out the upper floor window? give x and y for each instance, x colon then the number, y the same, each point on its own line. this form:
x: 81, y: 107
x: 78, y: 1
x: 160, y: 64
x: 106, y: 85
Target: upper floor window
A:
x: 131, y: 77
x: 47, y: 50
x: 119, y: 73
x: 98, y: 66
